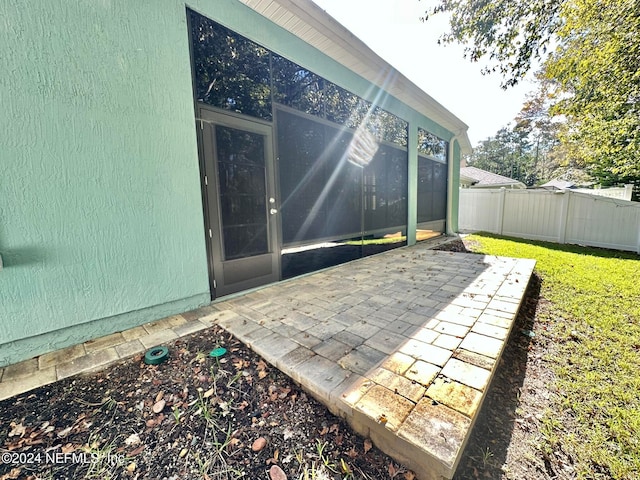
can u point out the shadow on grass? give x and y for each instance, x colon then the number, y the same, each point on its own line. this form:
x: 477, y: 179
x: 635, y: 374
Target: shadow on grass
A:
x: 486, y: 451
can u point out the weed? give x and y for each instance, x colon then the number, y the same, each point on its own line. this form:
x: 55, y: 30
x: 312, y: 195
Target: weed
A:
x: 328, y: 464
x: 103, y: 461
x: 177, y: 414
x: 487, y: 454
x: 320, y: 467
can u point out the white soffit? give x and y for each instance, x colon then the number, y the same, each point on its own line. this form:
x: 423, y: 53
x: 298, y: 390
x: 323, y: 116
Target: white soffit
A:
x: 307, y: 21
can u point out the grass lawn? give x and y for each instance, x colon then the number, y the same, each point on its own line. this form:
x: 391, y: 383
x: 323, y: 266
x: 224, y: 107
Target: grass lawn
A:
x: 594, y: 321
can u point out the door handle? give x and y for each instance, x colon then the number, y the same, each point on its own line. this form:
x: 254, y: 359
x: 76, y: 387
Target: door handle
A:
x: 273, y: 211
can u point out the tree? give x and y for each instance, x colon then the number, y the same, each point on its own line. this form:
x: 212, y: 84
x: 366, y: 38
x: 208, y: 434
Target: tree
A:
x: 593, y: 68
x: 509, y: 153
x: 512, y: 33
x: 542, y: 129
x: 597, y: 69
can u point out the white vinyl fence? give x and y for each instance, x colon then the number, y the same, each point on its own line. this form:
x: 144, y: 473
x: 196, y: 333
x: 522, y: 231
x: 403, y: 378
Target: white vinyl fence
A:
x: 562, y: 217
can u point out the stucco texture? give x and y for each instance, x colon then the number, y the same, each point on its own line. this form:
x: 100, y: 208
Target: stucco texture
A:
x: 100, y: 210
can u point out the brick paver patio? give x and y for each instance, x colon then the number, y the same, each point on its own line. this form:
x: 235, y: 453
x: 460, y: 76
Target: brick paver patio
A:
x: 403, y: 345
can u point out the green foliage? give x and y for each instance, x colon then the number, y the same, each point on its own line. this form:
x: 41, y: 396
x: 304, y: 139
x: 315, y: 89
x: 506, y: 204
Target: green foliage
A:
x: 597, y: 68
x: 509, y: 153
x: 595, y: 325
x: 511, y: 33
x: 591, y: 72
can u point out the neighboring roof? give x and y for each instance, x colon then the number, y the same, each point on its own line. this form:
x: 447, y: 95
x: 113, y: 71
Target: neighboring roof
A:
x: 481, y: 178
x: 307, y: 21
x: 556, y: 183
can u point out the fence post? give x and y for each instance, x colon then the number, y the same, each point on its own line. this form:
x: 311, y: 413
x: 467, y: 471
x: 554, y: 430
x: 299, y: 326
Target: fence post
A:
x: 564, y: 216
x: 638, y: 239
x: 500, y: 213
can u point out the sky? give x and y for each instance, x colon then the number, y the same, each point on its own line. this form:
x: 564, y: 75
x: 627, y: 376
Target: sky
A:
x: 392, y: 29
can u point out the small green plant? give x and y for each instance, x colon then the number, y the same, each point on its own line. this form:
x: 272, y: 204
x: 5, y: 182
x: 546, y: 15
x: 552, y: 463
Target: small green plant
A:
x: 203, y: 408
x: 216, y: 464
x: 318, y: 466
x: 232, y: 380
x: 200, y: 357
x: 177, y: 414
x: 487, y: 454
x: 320, y: 447
x: 103, y: 460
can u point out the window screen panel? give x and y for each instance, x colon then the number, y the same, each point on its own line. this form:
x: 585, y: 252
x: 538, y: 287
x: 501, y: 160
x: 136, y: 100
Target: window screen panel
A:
x: 342, y: 194
x: 385, y: 189
x: 231, y: 72
x: 297, y: 87
x: 301, y: 175
x: 439, y: 190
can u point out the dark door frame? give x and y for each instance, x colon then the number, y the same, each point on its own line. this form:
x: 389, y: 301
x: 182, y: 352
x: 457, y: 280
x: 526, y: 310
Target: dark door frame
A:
x: 229, y: 276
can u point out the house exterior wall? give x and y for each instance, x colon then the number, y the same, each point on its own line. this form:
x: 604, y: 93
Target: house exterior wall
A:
x: 100, y: 210
x: 101, y: 223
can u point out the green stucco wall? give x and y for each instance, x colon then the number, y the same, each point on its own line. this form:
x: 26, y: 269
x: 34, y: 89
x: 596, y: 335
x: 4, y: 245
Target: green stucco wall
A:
x: 100, y: 210
x: 101, y: 224
x: 454, y: 186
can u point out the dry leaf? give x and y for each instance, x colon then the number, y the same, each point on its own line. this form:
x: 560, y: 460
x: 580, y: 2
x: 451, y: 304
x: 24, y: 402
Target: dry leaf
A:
x: 261, y: 365
x: 238, y: 363
x: 13, y: 474
x: 353, y: 453
x: 394, y: 471
x: 284, y: 391
x: 64, y: 432
x: 68, y: 448
x: 274, y: 459
x: 367, y: 445
x: 324, y: 431
x: 208, y: 393
x: 409, y: 475
x: 17, y: 429
x: 132, y: 440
